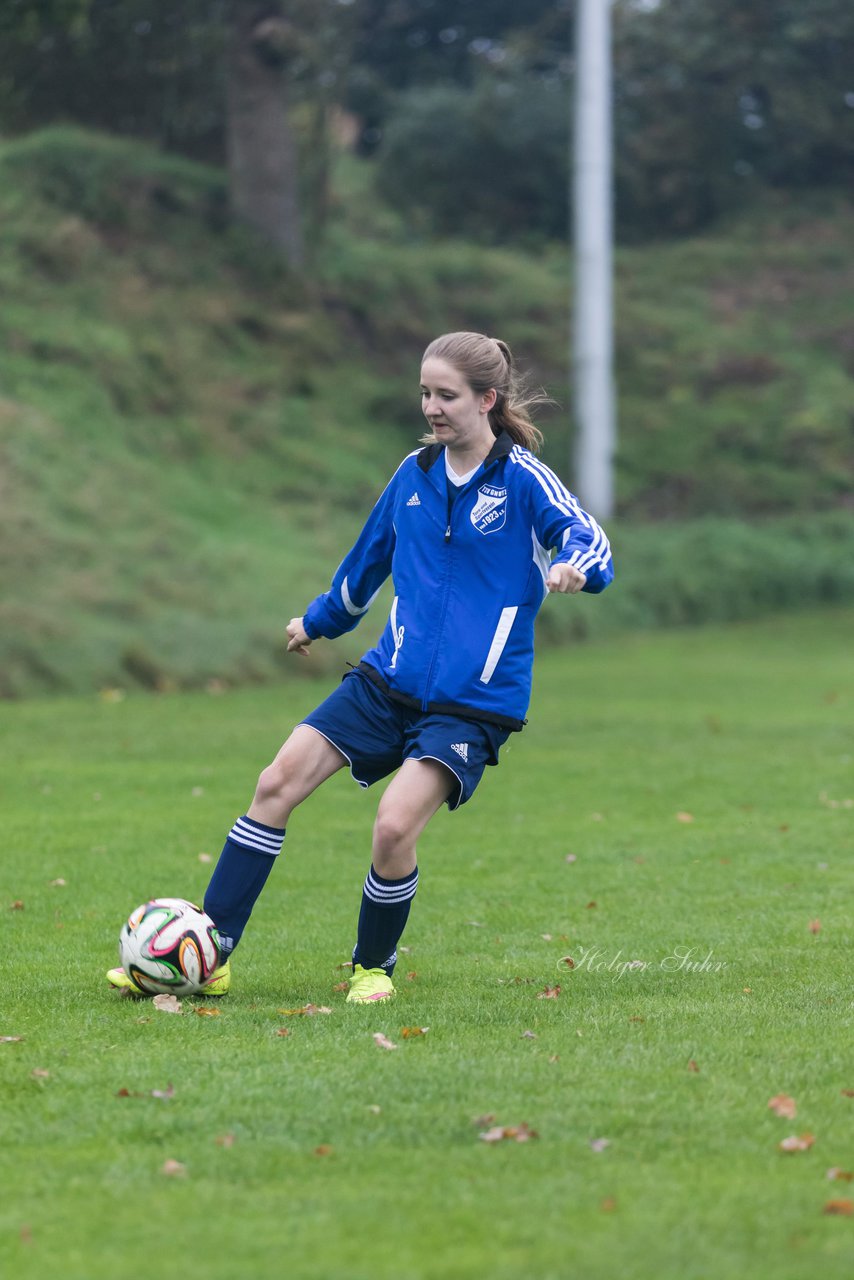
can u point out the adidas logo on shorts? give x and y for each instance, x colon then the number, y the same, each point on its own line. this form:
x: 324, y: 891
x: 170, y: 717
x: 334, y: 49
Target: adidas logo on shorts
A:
x: 414, y: 501
x: 462, y: 750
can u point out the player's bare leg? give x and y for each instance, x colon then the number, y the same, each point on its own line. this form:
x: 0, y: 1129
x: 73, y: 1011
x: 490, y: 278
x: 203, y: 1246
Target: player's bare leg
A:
x: 305, y: 761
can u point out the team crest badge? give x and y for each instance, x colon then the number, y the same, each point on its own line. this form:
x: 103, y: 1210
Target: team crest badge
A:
x: 490, y: 510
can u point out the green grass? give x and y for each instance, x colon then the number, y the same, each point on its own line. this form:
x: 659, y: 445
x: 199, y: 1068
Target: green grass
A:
x: 745, y: 728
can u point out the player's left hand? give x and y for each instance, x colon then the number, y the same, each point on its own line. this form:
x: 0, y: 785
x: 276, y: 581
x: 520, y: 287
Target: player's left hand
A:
x: 298, y: 641
x: 566, y: 579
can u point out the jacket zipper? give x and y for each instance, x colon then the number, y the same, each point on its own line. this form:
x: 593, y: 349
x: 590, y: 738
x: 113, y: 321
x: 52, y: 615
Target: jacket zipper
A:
x: 447, y: 540
x: 447, y: 591
x: 445, y: 594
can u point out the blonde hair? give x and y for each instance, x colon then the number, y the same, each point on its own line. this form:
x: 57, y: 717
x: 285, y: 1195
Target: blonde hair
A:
x: 487, y: 363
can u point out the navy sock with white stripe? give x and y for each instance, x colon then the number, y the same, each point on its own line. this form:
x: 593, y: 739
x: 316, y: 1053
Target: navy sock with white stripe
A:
x: 382, y: 919
x: 245, y: 863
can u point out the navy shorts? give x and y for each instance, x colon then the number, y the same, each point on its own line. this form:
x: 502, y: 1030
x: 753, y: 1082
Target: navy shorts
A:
x: 376, y: 735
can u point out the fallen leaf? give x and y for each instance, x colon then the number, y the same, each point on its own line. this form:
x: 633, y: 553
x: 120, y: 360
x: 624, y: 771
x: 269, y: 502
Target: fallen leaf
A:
x: 637, y: 1019
x: 682, y: 816
x: 608, y: 1205
x: 167, y: 1004
x: 514, y: 1133
x: 205, y: 857
x: 571, y: 857
x: 815, y: 926
x: 307, y: 1010
x: 283, y: 1031
x: 547, y: 937
x: 383, y: 1041
x: 844, y: 1208
x: 17, y: 905
x: 692, y: 1066
x: 58, y: 884
x: 794, y: 1143
x: 599, y: 1144
x: 342, y: 986
x: 40, y: 1073
x: 409, y: 1032
x: 568, y: 961
x: 348, y: 964
x: 846, y: 1093
x: 548, y: 993
x: 323, y: 1150
x: 481, y: 1122
x: 18, y: 1039
x: 748, y: 991
x: 168, y: 1092
x: 475, y: 924
x: 173, y: 1169
x: 590, y: 906
x: 207, y: 1011
x: 411, y: 976
x: 405, y: 951
x: 555, y: 1057
x: 840, y: 1175
x: 528, y: 1035
x: 25, y: 1235
x: 782, y: 1105
x: 225, y: 1140
x: 375, y: 1109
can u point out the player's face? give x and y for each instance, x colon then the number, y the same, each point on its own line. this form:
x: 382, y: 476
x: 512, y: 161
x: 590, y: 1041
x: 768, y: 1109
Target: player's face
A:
x: 458, y: 416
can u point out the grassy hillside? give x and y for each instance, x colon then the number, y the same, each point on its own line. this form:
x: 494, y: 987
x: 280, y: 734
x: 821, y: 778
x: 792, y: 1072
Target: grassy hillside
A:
x: 189, y: 436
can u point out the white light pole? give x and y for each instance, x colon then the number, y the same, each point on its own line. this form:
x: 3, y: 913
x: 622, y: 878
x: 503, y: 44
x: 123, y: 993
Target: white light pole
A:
x: 593, y: 344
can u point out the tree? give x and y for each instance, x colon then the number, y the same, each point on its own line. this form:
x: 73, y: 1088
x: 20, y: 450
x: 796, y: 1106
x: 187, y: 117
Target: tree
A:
x: 263, y: 46
x: 250, y: 83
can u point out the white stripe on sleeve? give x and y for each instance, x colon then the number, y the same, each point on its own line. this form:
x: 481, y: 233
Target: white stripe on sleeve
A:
x: 355, y: 610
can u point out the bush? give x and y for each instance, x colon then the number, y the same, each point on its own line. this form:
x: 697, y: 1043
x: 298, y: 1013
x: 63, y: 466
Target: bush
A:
x: 491, y: 163
x: 715, y: 571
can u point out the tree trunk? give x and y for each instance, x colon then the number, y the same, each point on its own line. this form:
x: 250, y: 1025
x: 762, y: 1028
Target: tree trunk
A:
x: 263, y: 165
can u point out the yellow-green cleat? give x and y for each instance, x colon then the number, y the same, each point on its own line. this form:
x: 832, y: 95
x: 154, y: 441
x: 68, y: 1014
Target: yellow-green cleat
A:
x: 217, y: 986
x: 369, y: 985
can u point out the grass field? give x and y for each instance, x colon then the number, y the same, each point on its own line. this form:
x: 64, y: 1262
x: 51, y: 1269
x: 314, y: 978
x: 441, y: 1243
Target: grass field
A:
x: 681, y: 799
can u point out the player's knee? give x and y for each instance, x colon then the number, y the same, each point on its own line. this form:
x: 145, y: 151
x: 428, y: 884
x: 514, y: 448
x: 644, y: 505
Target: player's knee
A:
x: 392, y: 836
x: 275, y: 785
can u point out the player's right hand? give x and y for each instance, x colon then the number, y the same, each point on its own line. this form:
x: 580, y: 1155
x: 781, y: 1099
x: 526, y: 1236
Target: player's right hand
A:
x: 298, y: 641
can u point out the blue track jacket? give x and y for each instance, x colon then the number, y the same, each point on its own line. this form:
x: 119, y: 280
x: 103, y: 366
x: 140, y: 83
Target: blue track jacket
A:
x: 469, y: 569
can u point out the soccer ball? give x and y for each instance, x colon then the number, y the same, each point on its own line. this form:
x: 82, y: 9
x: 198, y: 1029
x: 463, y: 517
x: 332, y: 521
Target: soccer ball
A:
x: 169, y: 945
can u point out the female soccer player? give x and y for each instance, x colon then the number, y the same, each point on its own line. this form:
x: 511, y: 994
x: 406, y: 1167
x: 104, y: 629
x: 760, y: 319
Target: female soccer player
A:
x: 475, y: 533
